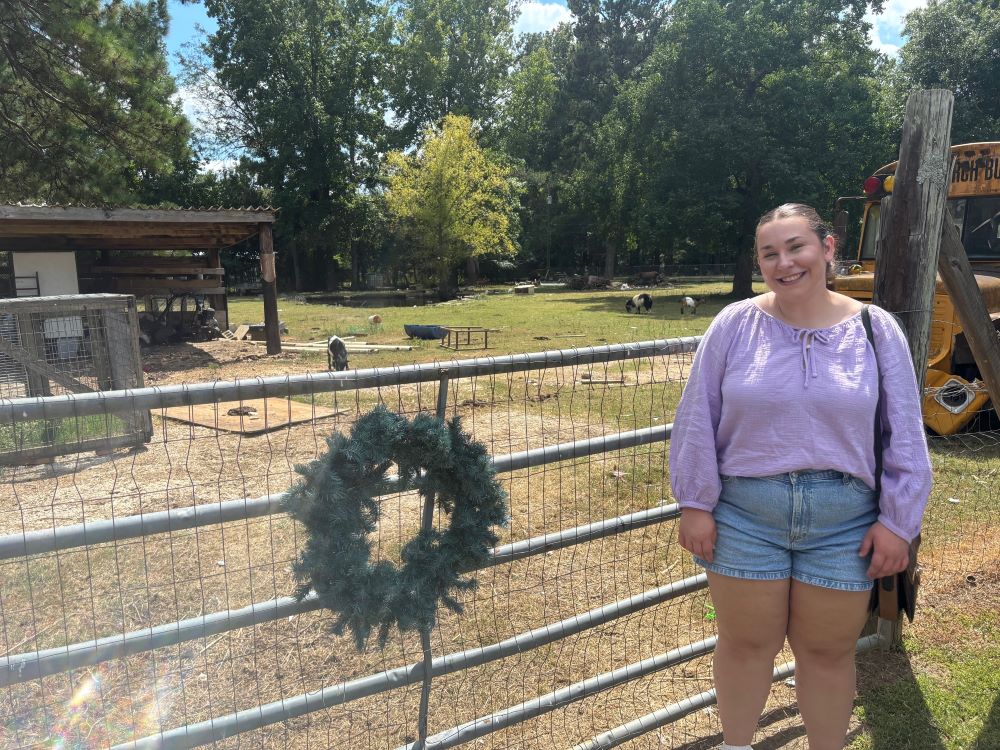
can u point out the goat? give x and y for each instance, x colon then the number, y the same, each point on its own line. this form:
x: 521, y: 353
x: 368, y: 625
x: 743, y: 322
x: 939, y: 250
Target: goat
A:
x: 690, y: 303
x: 336, y: 352
x: 639, y: 303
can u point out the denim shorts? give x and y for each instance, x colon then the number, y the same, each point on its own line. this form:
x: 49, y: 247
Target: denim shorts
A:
x: 806, y: 525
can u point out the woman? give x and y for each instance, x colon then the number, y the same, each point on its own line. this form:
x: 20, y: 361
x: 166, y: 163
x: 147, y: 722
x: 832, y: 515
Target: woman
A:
x: 772, y: 462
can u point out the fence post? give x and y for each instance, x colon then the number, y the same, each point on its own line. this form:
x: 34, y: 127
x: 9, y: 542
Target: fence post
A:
x: 910, y: 236
x: 426, y: 522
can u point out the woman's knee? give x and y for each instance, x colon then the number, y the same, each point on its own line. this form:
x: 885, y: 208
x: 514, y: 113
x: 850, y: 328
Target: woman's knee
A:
x: 751, y: 643
x: 822, y: 651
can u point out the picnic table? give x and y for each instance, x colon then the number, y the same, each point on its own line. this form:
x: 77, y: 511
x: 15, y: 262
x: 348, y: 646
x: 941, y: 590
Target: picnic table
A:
x: 467, y: 337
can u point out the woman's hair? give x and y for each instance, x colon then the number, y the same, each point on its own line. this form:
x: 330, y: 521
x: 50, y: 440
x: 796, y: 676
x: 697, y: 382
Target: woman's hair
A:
x: 816, y: 224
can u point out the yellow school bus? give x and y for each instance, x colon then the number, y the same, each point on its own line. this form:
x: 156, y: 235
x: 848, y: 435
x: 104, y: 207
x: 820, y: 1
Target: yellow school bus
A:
x: 953, y: 394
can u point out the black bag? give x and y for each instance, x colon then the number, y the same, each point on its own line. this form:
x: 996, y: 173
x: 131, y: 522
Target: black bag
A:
x: 896, y: 593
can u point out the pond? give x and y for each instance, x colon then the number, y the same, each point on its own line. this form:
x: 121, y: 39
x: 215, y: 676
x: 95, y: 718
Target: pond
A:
x: 374, y: 299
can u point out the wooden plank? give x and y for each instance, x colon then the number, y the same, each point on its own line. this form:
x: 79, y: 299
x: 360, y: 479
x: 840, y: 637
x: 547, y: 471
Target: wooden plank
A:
x: 158, y: 216
x: 131, y: 284
x: 186, y: 270
x: 956, y: 272
x: 241, y: 331
x: 910, y: 228
x: 40, y: 367
x: 29, y: 455
x: 63, y: 244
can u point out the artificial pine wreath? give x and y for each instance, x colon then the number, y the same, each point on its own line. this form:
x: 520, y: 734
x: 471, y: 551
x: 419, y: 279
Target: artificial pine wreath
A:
x: 337, y: 503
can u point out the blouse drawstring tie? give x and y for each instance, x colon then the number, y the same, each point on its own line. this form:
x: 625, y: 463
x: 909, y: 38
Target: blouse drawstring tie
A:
x: 806, y: 339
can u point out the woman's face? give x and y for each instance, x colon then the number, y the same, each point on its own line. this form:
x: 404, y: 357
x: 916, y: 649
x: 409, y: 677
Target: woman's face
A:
x: 792, y: 258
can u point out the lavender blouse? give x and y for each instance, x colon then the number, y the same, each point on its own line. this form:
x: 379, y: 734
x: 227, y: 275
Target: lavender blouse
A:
x: 765, y: 398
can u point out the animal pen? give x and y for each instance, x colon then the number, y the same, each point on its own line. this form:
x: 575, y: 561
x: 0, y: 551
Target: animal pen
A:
x: 146, y: 597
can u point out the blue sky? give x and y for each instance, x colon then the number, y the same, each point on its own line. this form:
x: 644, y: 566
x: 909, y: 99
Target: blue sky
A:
x: 537, y: 15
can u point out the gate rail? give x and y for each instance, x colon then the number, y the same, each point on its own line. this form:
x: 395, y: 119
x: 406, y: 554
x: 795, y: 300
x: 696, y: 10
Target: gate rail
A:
x: 23, y: 667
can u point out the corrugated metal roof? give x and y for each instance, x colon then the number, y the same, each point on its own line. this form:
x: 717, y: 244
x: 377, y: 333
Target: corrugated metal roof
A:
x: 144, y: 207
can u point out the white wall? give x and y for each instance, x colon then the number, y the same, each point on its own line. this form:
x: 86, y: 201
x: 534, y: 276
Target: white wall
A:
x: 56, y: 273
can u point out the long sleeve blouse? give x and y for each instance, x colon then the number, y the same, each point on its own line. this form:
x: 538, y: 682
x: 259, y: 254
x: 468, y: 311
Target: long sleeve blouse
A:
x: 765, y: 398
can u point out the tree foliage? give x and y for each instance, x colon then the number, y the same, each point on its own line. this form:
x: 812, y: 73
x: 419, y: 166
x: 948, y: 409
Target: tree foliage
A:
x: 299, y: 88
x: 454, y: 199
x: 747, y: 104
x: 453, y: 58
x: 955, y: 44
x: 86, y: 105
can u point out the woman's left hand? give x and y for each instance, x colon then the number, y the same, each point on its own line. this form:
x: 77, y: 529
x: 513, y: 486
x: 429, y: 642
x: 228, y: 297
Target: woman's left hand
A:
x: 890, y: 553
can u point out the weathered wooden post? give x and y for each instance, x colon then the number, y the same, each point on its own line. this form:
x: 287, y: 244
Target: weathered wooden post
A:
x: 269, y: 290
x: 956, y: 273
x: 910, y: 235
x: 910, y: 230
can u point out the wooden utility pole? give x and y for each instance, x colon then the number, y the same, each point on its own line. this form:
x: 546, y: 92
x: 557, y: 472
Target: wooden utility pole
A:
x: 910, y: 227
x: 956, y: 273
x: 269, y: 289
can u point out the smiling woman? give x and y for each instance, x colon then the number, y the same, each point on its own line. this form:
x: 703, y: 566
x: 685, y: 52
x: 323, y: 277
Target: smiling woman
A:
x: 782, y: 395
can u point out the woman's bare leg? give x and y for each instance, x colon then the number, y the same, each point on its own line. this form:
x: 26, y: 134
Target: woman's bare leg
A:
x: 752, y: 617
x: 823, y: 629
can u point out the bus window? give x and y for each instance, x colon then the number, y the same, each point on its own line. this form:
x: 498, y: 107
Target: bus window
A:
x: 957, y: 212
x: 982, y: 227
x: 870, y: 238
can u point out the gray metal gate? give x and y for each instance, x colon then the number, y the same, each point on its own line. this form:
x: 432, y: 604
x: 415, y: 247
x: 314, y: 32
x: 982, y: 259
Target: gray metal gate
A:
x: 590, y: 627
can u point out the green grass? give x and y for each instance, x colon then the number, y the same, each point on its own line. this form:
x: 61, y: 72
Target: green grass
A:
x: 554, y: 319
x: 949, y: 701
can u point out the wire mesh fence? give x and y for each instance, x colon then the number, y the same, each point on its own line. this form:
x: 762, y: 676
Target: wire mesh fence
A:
x: 68, y: 344
x: 145, y: 596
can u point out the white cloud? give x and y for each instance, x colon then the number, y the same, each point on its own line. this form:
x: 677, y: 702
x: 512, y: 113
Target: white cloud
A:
x: 218, y: 165
x: 887, y: 26
x: 539, y: 16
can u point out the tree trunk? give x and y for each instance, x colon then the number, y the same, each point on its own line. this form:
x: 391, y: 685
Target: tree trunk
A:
x: 447, y: 282
x: 293, y: 250
x: 743, y: 275
x: 356, y: 281
x: 471, y: 270
x: 610, y: 253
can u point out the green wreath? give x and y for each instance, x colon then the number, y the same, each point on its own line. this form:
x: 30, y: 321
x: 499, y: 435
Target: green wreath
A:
x: 337, y: 503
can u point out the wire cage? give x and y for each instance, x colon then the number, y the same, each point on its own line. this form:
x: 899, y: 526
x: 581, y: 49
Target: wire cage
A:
x: 70, y: 344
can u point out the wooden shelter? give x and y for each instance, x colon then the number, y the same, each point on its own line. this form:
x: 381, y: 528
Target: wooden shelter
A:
x: 127, y: 240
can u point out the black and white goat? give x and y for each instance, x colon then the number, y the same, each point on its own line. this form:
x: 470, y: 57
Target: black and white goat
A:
x: 639, y: 303
x: 690, y: 304
x: 336, y: 352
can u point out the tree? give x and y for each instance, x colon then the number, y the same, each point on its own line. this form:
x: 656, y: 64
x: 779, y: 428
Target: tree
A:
x: 454, y: 58
x: 298, y: 87
x: 612, y: 40
x: 955, y: 44
x: 750, y: 103
x: 455, y: 200
x: 86, y: 105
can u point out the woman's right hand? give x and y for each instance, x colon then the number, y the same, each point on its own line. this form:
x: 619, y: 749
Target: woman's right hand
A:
x: 697, y: 533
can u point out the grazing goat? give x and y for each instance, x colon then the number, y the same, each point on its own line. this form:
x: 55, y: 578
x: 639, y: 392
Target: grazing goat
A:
x: 639, y: 303
x: 336, y: 351
x: 690, y: 303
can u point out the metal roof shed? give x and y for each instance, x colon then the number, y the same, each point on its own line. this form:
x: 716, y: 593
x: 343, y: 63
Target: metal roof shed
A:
x: 43, y: 228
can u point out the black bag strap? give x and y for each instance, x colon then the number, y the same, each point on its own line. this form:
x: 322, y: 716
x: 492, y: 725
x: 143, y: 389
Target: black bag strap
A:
x: 866, y: 319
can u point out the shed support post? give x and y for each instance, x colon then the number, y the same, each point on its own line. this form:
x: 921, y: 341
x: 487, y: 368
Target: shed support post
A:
x: 270, y: 290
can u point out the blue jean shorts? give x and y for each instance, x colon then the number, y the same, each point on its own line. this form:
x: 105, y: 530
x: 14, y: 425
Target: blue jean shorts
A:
x: 806, y: 525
